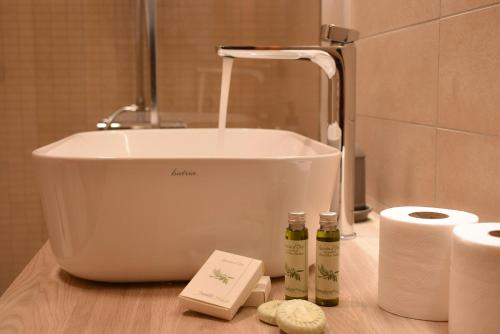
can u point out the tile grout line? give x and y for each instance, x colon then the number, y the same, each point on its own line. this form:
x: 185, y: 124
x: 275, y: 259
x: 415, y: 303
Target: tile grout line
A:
x: 437, y: 104
x: 434, y: 19
x: 9, y: 185
x: 471, y: 10
x: 401, y: 28
x: 431, y: 126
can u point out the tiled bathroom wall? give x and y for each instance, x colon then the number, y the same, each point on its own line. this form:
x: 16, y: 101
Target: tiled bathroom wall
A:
x: 65, y: 64
x: 429, y: 102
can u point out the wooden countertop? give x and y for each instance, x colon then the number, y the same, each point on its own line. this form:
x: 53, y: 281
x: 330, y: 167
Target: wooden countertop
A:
x: 45, y: 299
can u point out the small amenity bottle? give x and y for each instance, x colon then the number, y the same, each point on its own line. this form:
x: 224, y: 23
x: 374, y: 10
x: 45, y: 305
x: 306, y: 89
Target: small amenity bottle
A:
x: 296, y: 267
x: 327, y: 260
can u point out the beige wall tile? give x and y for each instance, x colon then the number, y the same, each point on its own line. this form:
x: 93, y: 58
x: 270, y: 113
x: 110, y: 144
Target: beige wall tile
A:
x: 372, y: 17
x: 468, y: 166
x: 397, y: 74
x: 63, y: 66
x: 469, y: 73
x: 455, y: 6
x: 400, y: 161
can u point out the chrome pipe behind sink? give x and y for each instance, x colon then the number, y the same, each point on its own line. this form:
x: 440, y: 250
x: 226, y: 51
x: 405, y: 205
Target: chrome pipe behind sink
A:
x: 145, y: 105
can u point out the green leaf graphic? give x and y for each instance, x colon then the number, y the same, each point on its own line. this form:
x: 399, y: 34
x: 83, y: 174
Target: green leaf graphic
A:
x: 292, y: 272
x: 219, y: 275
x: 324, y: 273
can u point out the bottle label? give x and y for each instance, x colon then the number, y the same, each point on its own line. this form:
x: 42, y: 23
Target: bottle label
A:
x: 327, y: 269
x: 296, y: 269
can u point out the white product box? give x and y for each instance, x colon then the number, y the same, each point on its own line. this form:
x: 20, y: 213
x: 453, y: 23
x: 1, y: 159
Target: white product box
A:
x: 222, y: 284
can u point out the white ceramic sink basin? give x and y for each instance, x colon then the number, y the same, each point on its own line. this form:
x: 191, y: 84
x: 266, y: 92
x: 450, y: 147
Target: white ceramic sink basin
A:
x: 145, y: 205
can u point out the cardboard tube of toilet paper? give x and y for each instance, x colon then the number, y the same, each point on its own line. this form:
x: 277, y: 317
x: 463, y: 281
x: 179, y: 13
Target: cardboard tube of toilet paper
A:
x: 414, y: 260
x: 475, y: 279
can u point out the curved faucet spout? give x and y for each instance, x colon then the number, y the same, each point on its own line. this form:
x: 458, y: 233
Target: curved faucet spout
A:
x: 322, y: 58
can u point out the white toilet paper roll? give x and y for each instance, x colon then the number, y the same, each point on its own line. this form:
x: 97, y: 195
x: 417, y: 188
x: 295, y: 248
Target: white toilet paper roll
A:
x: 475, y: 279
x: 414, y: 260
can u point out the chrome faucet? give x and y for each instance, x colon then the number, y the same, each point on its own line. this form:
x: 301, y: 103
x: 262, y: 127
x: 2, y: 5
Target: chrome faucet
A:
x: 145, y: 50
x: 337, y: 57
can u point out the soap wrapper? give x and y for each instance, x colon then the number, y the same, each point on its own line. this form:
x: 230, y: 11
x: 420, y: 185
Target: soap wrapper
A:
x: 260, y: 294
x: 414, y: 260
x: 474, y: 279
x: 222, y: 284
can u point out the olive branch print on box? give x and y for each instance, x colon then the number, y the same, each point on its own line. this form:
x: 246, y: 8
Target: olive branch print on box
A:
x: 219, y: 275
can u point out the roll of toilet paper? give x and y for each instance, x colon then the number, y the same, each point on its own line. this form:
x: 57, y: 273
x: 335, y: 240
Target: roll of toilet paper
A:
x: 414, y: 260
x: 475, y: 279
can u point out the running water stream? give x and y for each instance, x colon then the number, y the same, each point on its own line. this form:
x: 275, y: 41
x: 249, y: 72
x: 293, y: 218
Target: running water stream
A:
x: 227, y: 65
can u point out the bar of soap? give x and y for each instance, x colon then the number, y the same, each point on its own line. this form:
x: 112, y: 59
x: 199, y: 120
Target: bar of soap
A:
x: 300, y: 317
x: 260, y: 294
x: 267, y: 312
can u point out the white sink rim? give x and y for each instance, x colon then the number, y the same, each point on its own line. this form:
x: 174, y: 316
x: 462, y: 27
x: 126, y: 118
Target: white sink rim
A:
x: 320, y: 150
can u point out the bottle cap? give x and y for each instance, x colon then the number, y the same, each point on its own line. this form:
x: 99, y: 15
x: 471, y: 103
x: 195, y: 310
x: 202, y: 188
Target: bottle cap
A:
x: 297, y: 220
x: 328, y: 218
x: 297, y: 217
